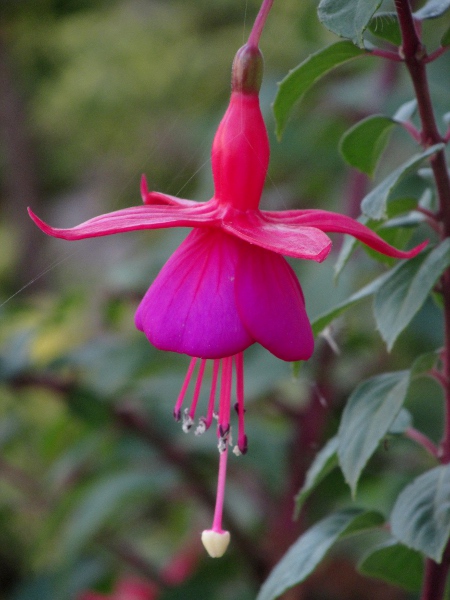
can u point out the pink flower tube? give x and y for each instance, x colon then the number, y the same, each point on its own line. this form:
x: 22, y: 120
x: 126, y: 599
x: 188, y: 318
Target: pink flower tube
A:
x: 228, y: 286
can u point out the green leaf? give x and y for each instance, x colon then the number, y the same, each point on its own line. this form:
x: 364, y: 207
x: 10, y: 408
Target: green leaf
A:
x: 405, y: 290
x: 306, y: 553
x: 347, y: 248
x: 367, y: 417
x: 15, y: 356
x: 406, y: 111
x: 421, y: 515
x: 401, y: 422
x: 347, y: 18
x: 326, y: 459
x: 325, y: 319
x: 385, y: 26
x: 424, y: 363
x: 101, y: 502
x: 432, y: 9
x: 363, y: 144
x: 300, y: 79
x: 88, y: 406
x: 445, y: 39
x: 11, y: 427
x: 374, y: 204
x: 324, y: 462
x: 395, y: 564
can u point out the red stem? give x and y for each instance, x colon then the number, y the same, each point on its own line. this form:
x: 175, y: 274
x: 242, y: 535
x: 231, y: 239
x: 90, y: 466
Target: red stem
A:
x: 423, y: 440
x: 436, y: 54
x: 386, y: 54
x: 435, y: 579
x: 415, y: 59
x: 445, y: 445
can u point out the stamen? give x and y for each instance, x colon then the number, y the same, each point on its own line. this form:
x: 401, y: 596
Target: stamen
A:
x: 212, y: 395
x: 225, y: 397
x: 187, y: 380
x: 198, y: 386
x: 242, y: 438
x: 201, y: 427
x: 223, y: 442
x: 188, y: 421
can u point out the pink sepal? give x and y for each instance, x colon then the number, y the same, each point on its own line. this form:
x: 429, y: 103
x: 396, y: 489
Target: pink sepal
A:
x: 163, y: 199
x: 309, y: 243
x: 131, y: 219
x: 332, y: 222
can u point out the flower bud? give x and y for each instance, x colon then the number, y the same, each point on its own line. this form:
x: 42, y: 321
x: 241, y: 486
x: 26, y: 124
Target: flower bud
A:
x: 215, y: 542
x: 247, y: 71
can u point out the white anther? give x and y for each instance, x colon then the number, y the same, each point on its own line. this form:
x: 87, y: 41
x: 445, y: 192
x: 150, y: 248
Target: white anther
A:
x: 222, y: 444
x: 187, y: 421
x: 201, y: 427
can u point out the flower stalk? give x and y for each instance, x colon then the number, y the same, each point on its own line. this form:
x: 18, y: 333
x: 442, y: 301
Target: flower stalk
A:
x: 260, y: 21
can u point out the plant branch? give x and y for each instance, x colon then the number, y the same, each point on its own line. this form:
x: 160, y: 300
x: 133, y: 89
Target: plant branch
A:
x: 388, y: 54
x: 423, y: 440
x: 436, y: 54
x: 415, y: 59
x: 435, y: 578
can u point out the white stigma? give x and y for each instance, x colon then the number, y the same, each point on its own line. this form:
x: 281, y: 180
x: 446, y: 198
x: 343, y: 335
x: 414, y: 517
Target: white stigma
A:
x: 215, y: 543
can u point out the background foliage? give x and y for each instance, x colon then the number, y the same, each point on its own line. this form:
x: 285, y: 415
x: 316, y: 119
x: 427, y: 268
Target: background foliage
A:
x: 96, y: 481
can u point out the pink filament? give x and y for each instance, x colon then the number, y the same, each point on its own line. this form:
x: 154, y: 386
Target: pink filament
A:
x: 212, y: 395
x: 187, y: 380
x: 225, y: 396
x: 198, y: 386
x: 242, y: 438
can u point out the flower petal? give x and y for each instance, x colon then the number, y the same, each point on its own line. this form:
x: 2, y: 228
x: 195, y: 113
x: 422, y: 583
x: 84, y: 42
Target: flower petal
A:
x: 190, y: 307
x: 283, y: 238
x: 136, y: 217
x: 271, y: 304
x: 332, y: 222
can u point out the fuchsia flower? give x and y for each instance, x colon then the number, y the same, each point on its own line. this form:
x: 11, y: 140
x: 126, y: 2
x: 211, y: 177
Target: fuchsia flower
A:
x: 228, y: 285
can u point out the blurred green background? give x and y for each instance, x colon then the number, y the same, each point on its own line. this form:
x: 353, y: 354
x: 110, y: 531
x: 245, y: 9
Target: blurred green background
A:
x: 96, y: 480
